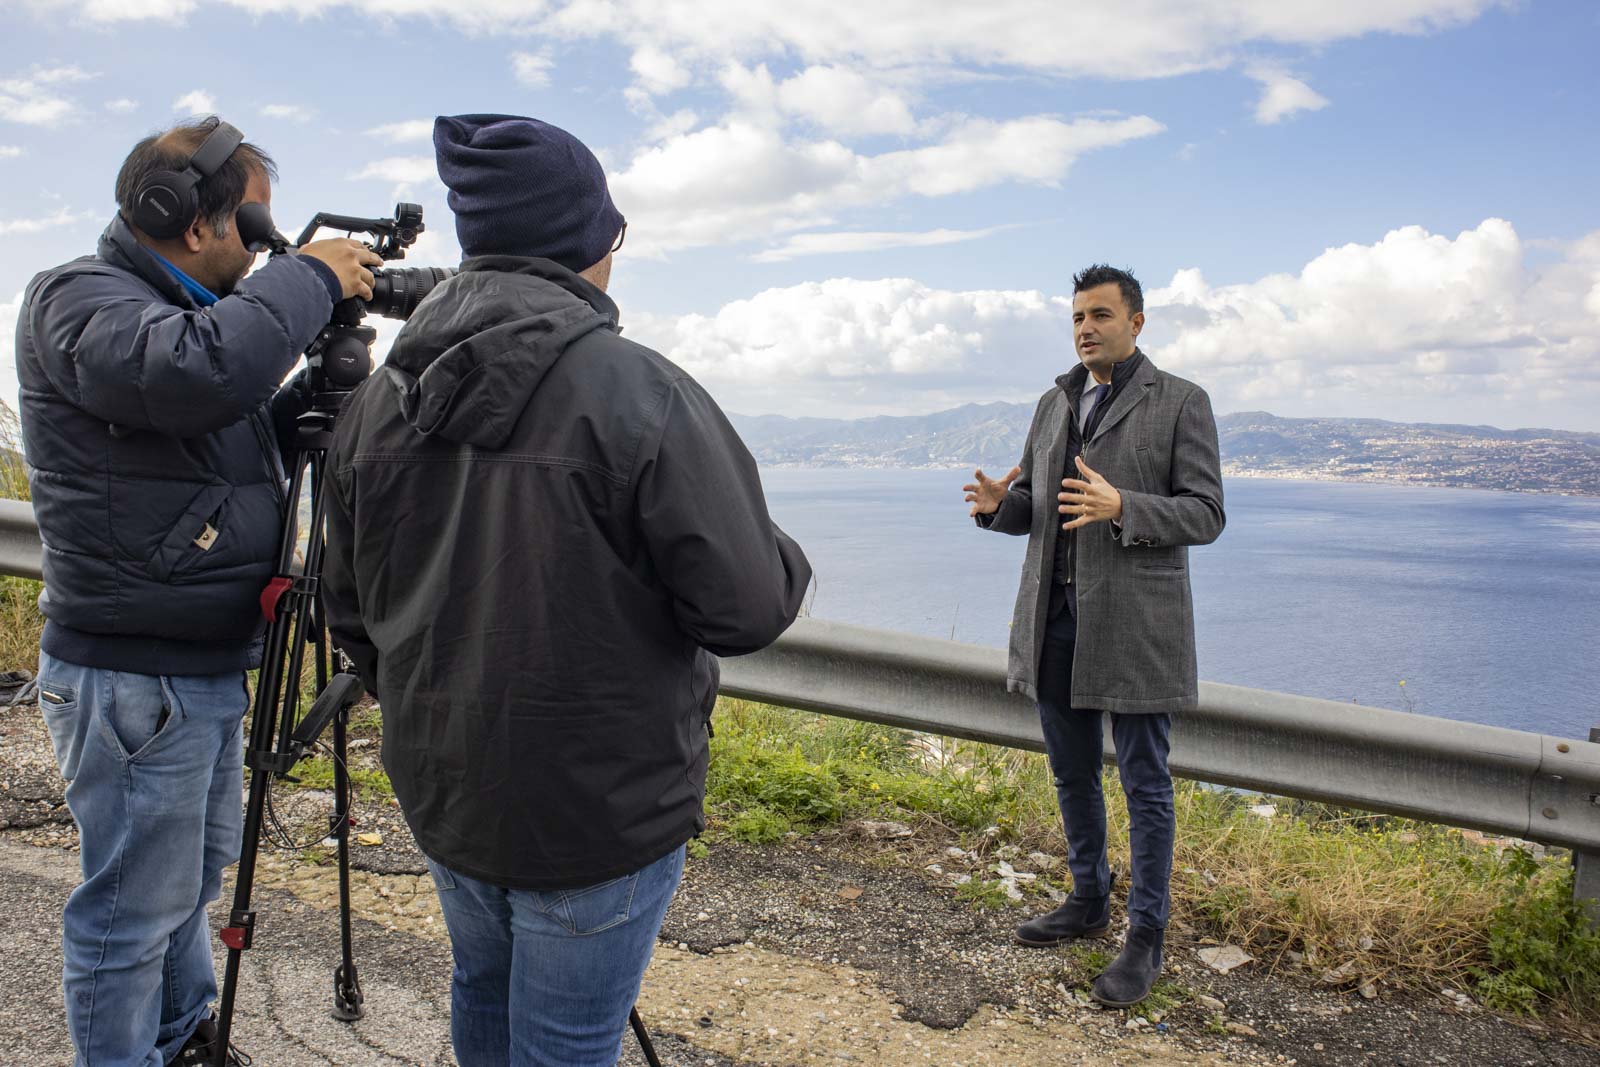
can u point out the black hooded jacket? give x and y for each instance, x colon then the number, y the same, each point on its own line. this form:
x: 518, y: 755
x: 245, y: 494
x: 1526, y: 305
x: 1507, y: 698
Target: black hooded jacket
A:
x: 538, y: 536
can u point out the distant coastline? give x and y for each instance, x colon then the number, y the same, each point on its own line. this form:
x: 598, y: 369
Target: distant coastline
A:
x: 1254, y: 444
x: 1229, y: 470
x: 1233, y: 471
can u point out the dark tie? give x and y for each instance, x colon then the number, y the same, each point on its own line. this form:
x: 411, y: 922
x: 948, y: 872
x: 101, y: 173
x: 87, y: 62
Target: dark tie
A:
x: 1096, y: 395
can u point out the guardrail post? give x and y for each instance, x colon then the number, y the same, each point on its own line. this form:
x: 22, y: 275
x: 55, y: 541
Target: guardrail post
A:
x: 1586, y: 865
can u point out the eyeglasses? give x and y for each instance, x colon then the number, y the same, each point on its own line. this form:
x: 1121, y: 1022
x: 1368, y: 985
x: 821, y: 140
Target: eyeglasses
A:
x: 621, y: 237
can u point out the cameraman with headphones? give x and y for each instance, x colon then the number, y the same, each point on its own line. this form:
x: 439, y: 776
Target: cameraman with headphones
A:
x: 150, y: 406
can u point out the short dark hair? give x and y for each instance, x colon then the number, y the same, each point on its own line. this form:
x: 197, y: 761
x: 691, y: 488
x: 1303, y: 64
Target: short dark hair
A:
x: 1101, y: 274
x: 220, y: 194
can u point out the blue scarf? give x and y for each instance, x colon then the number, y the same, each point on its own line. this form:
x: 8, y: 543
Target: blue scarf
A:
x: 202, y: 296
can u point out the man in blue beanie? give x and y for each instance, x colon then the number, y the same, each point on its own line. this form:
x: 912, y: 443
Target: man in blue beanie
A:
x: 540, y: 537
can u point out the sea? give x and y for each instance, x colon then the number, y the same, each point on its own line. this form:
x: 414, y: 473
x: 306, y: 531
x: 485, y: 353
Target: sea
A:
x: 1474, y: 605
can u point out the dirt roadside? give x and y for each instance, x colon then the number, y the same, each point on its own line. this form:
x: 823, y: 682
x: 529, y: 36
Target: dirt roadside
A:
x: 841, y: 948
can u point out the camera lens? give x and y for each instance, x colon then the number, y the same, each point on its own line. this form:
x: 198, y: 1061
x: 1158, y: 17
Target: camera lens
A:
x: 396, y: 293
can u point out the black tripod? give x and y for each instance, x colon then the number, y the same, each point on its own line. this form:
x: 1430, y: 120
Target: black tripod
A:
x: 280, y: 736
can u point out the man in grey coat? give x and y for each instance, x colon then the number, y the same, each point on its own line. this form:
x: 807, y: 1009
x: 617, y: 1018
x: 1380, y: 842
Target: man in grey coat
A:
x: 1104, y: 619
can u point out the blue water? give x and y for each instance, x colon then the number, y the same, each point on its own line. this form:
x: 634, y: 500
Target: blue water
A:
x: 1487, y: 605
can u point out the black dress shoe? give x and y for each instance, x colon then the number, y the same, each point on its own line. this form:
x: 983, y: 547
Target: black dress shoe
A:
x: 1133, y: 973
x: 1078, y: 917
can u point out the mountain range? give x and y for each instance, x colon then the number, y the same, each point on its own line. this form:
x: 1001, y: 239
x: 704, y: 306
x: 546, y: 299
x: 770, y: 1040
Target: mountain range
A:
x: 1251, y: 442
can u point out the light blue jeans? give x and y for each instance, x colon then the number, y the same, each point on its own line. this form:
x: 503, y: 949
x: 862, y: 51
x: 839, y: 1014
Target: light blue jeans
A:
x: 547, y: 978
x: 154, y: 770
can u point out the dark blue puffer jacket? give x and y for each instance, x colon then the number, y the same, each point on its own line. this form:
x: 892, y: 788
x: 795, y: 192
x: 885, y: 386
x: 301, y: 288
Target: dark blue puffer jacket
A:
x: 146, y: 418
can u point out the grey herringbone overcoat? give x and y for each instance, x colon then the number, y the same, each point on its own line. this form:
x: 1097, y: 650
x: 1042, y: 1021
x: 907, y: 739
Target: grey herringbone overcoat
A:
x: 1157, y: 443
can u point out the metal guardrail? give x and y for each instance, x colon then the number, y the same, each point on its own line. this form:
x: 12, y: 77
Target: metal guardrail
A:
x: 1488, y: 778
x: 20, y: 551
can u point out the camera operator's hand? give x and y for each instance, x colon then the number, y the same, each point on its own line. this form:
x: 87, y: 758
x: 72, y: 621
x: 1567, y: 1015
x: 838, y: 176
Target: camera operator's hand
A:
x: 349, y: 260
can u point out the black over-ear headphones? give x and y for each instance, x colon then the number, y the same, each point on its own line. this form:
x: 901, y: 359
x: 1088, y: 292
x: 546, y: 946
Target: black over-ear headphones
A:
x: 168, y: 200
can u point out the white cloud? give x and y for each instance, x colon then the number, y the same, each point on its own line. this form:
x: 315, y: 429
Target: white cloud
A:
x: 1416, y: 314
x: 742, y: 180
x: 657, y: 72
x: 195, y: 102
x: 845, y: 102
x: 1153, y: 38
x: 8, y: 350
x: 62, y: 217
x: 676, y: 124
x: 1416, y: 326
x: 403, y: 132
x: 61, y: 75
x: 10, y: 151
x: 1283, y: 95
x: 531, y: 69
x: 30, y: 101
x: 399, y: 169
x: 122, y: 106
x: 824, y: 244
x: 291, y: 112
x: 867, y: 346
x: 414, y: 178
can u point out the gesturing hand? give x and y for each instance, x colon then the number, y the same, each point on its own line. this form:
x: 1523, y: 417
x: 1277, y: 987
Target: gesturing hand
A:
x: 985, y: 494
x: 1095, y: 500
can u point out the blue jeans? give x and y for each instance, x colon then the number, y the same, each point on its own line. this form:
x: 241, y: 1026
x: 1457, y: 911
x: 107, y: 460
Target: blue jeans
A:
x: 154, y: 770
x: 546, y: 978
x: 1073, y: 739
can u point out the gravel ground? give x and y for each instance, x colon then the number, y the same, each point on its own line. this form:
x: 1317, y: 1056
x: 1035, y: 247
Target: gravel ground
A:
x: 845, y: 947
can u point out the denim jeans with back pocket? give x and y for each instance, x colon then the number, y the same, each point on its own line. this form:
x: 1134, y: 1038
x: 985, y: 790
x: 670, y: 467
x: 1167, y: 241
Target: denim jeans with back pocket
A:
x: 546, y: 978
x: 154, y: 770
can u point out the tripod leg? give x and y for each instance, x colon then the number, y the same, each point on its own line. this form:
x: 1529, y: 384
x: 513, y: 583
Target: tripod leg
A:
x: 644, y: 1038
x: 347, y: 996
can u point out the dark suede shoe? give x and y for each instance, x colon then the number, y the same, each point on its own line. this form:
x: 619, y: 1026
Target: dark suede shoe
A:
x: 1078, y: 917
x: 1133, y: 973
x: 200, y: 1049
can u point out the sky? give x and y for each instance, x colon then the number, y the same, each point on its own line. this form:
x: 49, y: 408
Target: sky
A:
x: 1371, y: 208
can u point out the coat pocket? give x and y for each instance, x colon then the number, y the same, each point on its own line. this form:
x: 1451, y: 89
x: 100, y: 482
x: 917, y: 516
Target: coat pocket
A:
x: 1147, y: 471
x: 181, y: 548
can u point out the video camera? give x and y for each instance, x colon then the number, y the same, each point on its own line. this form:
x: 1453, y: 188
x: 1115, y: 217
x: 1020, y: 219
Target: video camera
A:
x: 341, y: 357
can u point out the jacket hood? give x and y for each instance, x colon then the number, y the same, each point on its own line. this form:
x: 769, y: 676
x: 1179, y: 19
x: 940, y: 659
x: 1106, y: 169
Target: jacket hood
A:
x: 477, y: 348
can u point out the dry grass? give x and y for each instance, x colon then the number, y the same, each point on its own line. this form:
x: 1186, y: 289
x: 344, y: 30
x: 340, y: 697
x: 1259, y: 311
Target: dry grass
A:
x: 20, y: 621
x: 13, y: 472
x: 20, y: 624
x: 1357, y: 897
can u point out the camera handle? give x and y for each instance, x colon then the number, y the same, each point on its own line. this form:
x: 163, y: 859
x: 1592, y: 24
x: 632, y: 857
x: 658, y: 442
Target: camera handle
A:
x: 279, y: 735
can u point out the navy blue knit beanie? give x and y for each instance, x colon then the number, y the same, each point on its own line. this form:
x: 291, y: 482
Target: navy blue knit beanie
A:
x: 521, y: 187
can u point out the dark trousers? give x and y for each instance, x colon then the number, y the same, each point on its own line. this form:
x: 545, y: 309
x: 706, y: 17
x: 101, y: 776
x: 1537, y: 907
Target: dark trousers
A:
x: 1073, y: 740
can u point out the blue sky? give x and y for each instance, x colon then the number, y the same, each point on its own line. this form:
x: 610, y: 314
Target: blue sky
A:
x: 1378, y: 209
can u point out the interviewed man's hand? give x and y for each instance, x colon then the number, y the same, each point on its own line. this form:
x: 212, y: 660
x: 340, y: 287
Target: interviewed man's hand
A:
x: 1093, y: 500
x: 350, y: 260
x: 985, y: 493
